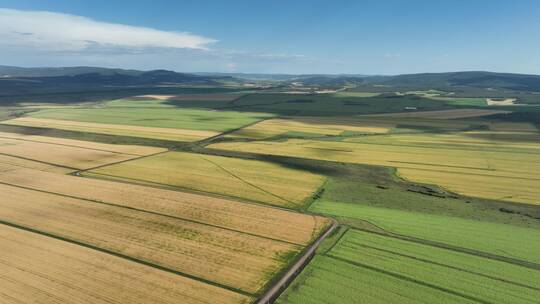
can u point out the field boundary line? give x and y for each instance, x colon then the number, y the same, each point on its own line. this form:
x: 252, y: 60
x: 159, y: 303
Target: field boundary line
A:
x: 409, y: 279
x: 246, y: 182
x: 150, y: 212
x: 126, y: 257
x: 446, y: 265
x: 288, y: 277
x: 119, y: 162
x: 474, y: 252
x: 66, y: 145
x: 40, y: 161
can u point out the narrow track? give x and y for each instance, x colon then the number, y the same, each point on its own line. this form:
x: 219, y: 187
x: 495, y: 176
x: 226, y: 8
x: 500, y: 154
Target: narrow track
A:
x: 275, y: 291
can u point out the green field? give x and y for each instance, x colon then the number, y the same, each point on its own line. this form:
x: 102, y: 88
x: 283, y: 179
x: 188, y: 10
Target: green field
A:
x: 500, y: 239
x: 367, y: 268
x: 160, y: 118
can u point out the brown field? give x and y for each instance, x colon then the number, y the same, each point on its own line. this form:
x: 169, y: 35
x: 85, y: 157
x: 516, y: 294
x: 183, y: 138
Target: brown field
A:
x: 513, y: 127
x: 312, y: 125
x: 113, y: 129
x: 443, y: 114
x: 39, y: 269
x: 248, y: 179
x: 222, y: 256
x: 503, y: 102
x: 248, y: 218
x: 67, y: 153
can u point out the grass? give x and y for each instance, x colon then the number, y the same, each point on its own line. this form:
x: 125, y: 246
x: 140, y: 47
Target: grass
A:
x: 247, y: 179
x: 500, y: 239
x: 36, y: 268
x: 367, y: 268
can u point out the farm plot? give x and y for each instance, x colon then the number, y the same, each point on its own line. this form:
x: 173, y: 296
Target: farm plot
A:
x: 472, y: 163
x: 252, y: 219
x: 500, y: 239
x: 65, y: 153
x: 311, y: 126
x: 9, y: 163
x: 40, y: 269
x: 443, y: 114
x: 170, y: 101
x: 367, y: 268
x: 167, y: 124
x: 247, y: 179
x: 236, y: 261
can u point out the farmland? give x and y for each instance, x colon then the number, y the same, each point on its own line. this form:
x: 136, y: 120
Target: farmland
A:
x: 168, y: 124
x: 368, y: 268
x: 36, y: 268
x: 246, y: 179
x: 68, y: 154
x: 234, y: 260
x: 476, y: 163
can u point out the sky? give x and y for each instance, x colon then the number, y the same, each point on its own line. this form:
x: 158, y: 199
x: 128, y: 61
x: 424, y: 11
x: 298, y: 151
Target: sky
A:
x: 277, y: 36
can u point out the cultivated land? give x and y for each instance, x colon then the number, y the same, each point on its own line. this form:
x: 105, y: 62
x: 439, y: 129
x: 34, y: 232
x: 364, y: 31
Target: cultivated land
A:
x: 168, y: 124
x: 368, y: 268
x: 251, y: 219
x: 246, y: 179
x: 40, y: 269
x: 232, y: 260
x: 476, y: 163
x: 66, y: 153
x: 310, y: 126
x: 435, y: 198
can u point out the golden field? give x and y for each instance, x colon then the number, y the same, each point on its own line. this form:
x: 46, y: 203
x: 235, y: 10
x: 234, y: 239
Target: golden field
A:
x: 67, y: 153
x: 247, y: 218
x: 311, y: 125
x: 113, y: 129
x: 481, y: 163
x: 8, y: 163
x: 226, y: 257
x: 246, y: 179
x: 39, y: 269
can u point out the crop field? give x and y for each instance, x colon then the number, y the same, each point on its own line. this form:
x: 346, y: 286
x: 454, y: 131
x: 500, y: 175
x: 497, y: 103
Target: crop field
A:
x: 311, y: 126
x: 496, y: 238
x: 444, y: 114
x: 246, y: 179
x: 8, y: 163
x: 367, y: 268
x: 233, y: 260
x: 66, y: 153
x: 166, y: 124
x: 478, y: 164
x: 40, y: 269
x: 170, y: 101
x: 253, y: 219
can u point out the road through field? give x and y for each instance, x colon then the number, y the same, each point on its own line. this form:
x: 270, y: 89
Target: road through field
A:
x: 274, y: 292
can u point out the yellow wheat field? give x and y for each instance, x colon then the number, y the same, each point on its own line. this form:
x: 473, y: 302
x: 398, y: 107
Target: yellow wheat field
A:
x: 9, y: 163
x: 483, y: 164
x: 223, y: 256
x: 124, y: 149
x: 247, y: 179
x: 112, y: 129
x: 39, y: 269
x: 249, y: 218
x: 311, y: 125
x: 66, y: 153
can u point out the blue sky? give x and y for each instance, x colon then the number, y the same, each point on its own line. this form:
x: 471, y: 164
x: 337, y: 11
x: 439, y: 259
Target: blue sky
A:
x: 364, y: 37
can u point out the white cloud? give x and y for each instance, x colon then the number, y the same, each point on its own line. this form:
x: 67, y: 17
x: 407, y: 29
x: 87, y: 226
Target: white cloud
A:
x: 50, y: 31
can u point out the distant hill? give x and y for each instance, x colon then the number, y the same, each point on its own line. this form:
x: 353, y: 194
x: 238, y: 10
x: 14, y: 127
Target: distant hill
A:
x: 11, y: 71
x: 516, y: 82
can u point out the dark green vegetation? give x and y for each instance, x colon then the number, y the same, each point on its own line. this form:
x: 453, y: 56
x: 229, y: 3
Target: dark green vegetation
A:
x: 368, y: 268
